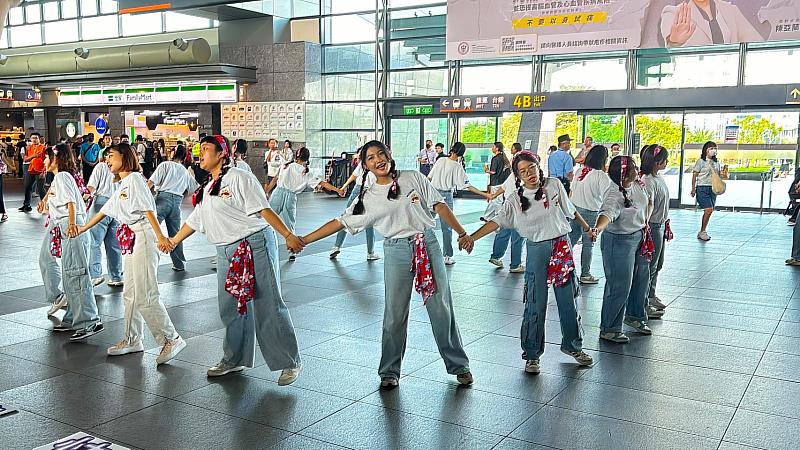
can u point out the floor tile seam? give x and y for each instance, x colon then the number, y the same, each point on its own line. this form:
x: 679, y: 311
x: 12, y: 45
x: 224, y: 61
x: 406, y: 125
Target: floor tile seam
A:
x: 313, y: 304
x: 304, y: 388
x: 676, y: 362
x: 88, y: 375
x: 85, y: 430
x: 667, y: 318
x: 737, y: 302
x: 313, y: 438
x: 746, y: 316
x: 477, y: 386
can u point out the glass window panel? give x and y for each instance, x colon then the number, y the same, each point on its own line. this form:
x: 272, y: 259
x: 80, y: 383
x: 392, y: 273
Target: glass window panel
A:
x: 349, y: 58
x: 349, y: 115
x: 421, y: 52
x: 100, y: 27
x: 337, y: 142
x: 306, y: 8
x: 350, y: 87
x: 25, y: 35
x: 418, y: 23
x: 33, y: 13
x: 418, y: 83
x: 344, y: 6
x: 69, y: 9
x: 50, y: 10
x: 760, y: 66
x: 405, y: 3
x: 108, y: 6
x: 496, y: 79
x: 4, y: 38
x: 88, y: 8
x: 61, y: 31
x: 16, y: 16
x: 352, y: 28
x: 179, y: 22
x: 405, y: 141
x: 589, y: 75
x: 683, y: 71
x: 135, y: 25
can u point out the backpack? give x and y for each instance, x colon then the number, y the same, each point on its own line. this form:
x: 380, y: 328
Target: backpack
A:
x: 92, y: 153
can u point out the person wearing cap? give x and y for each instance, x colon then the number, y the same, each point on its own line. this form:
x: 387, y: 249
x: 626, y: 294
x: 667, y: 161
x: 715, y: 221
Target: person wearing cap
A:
x: 560, y: 163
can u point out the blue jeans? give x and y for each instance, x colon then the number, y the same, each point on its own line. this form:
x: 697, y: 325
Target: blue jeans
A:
x: 501, y: 243
x: 535, y: 298
x: 588, y: 245
x: 399, y: 283
x: 447, y: 232
x: 267, y: 318
x: 81, y: 306
x: 284, y: 203
x: 168, y: 209
x: 796, y: 242
x: 657, y: 230
x: 105, y: 233
x: 627, y: 280
x: 50, y: 267
x: 370, y: 232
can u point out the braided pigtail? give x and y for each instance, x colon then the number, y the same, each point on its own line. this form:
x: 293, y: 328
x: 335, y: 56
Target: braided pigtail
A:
x: 624, y: 191
x: 197, y: 197
x: 222, y: 145
x: 522, y: 199
x: 359, y: 208
x: 394, y: 189
x: 542, y: 181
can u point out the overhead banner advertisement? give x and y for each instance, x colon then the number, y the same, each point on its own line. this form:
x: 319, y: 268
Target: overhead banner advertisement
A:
x: 482, y: 29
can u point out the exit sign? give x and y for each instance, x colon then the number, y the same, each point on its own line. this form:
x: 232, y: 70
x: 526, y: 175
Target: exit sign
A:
x: 417, y: 110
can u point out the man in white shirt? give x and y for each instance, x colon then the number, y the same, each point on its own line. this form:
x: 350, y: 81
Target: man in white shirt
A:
x: 426, y: 158
x: 273, y: 160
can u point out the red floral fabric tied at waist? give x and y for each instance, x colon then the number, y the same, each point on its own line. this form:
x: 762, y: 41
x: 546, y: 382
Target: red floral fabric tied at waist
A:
x: 585, y: 171
x: 55, y: 241
x: 241, y: 281
x: 561, y: 266
x: 424, y: 283
x: 126, y: 239
x: 648, y: 246
x: 668, y: 236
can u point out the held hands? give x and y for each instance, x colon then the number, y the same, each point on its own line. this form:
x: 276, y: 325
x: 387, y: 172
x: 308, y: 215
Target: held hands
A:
x: 72, y: 231
x: 165, y: 244
x: 294, y: 243
x: 466, y: 243
x: 342, y: 192
x: 593, y: 234
x: 41, y: 207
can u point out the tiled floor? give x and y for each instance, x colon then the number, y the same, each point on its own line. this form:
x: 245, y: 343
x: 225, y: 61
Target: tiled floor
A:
x: 721, y: 370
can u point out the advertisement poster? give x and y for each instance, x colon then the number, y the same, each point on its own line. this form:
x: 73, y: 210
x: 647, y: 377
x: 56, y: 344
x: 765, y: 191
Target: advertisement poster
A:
x: 483, y: 29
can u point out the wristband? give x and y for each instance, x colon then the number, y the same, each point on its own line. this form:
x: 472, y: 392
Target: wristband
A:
x: 462, y: 235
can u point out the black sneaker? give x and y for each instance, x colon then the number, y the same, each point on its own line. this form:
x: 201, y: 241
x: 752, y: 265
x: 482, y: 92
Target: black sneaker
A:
x: 62, y: 327
x: 86, y: 332
x: 26, y: 209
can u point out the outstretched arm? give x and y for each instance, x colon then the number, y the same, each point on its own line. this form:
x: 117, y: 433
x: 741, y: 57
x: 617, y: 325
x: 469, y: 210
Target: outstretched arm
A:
x: 330, y: 187
x: 293, y: 243
x: 464, y: 240
x: 92, y: 222
x: 487, y: 228
x: 333, y: 226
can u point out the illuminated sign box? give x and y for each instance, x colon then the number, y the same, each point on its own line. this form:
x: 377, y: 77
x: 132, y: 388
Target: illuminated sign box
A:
x: 149, y: 94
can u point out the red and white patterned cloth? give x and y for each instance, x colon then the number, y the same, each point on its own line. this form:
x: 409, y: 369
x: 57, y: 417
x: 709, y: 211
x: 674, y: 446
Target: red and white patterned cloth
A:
x: 561, y: 266
x: 55, y: 241
x: 668, y: 236
x: 126, y: 239
x: 241, y: 281
x: 424, y: 283
x: 585, y: 171
x: 648, y: 246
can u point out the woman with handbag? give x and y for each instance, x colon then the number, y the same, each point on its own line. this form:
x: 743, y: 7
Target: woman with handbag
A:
x: 707, y: 184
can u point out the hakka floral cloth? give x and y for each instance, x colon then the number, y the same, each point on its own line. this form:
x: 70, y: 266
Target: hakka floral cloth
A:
x: 126, y: 239
x: 561, y: 265
x: 668, y: 231
x: 240, y: 281
x: 585, y: 171
x: 648, y: 246
x: 55, y: 242
x: 424, y: 282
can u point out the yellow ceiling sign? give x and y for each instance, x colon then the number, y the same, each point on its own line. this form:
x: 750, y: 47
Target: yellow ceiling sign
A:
x: 561, y: 20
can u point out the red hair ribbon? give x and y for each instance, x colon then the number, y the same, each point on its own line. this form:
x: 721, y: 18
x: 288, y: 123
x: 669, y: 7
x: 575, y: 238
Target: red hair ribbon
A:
x: 424, y: 283
x: 55, y: 241
x: 585, y: 171
x: 531, y: 154
x: 240, y: 281
x: 561, y: 265
x: 668, y: 236
x: 221, y: 141
x: 648, y: 246
x: 623, y: 170
x: 126, y: 239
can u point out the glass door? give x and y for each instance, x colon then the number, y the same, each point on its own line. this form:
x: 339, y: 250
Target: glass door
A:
x: 478, y: 134
x: 405, y: 136
x: 605, y: 129
x: 666, y: 130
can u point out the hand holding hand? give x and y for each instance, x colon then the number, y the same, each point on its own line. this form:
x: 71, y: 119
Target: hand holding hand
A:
x: 593, y: 234
x: 466, y: 243
x: 165, y: 244
x: 40, y: 208
x: 342, y: 192
x: 294, y: 244
x: 72, y: 231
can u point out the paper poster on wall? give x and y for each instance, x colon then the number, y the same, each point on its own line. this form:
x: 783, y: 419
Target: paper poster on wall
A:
x: 480, y: 29
x: 261, y: 121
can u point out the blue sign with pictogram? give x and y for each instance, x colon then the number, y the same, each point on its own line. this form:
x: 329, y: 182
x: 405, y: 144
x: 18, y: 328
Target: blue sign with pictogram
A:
x: 101, y: 125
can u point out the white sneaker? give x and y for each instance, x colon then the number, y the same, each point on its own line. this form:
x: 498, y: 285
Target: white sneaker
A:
x: 519, y: 269
x: 532, y: 366
x: 496, y: 262
x: 289, y: 375
x: 372, y: 257
x: 703, y: 236
x: 335, y: 252
x: 123, y: 347
x: 654, y: 313
x: 449, y: 260
x: 115, y: 283
x: 222, y: 368
x: 60, y: 302
x: 98, y: 281
x: 581, y: 357
x: 618, y: 338
x: 170, y: 350
x: 588, y: 279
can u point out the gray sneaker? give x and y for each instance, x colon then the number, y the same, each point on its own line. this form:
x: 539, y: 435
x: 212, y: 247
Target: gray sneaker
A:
x: 389, y: 382
x: 532, y: 366
x: 588, y: 279
x: 60, y: 302
x: 289, y: 375
x: 618, y: 338
x: 465, y: 378
x: 581, y: 357
x: 639, y: 326
x: 223, y: 368
x: 656, y: 303
x: 496, y: 262
x: 653, y: 313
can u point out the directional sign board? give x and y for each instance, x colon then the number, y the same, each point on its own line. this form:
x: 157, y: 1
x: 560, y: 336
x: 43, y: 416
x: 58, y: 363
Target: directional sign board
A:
x: 793, y: 94
x: 492, y: 103
x: 80, y: 441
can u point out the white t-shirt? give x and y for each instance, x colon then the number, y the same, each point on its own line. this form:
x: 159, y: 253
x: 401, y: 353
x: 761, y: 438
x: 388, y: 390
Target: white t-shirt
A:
x: 174, y: 178
x: 240, y: 164
x: 538, y: 223
x: 64, y: 190
x: 130, y: 201
x: 626, y: 220
x: 703, y: 168
x: 447, y: 175
x: 410, y: 214
x: 660, y: 191
x: 140, y: 150
x: 359, y: 172
x: 234, y: 214
x: 102, y: 180
x: 277, y: 159
x: 588, y: 194
x: 293, y: 177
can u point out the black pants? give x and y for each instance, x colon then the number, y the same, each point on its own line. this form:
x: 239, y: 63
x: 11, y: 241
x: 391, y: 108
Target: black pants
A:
x: 86, y: 171
x: 31, y: 182
x: 2, y: 204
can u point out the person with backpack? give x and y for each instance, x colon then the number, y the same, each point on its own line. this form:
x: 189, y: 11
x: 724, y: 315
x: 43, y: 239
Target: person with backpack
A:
x: 90, y: 154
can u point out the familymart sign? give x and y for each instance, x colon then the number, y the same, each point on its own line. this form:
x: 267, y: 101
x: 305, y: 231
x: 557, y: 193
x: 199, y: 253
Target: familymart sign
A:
x: 148, y: 95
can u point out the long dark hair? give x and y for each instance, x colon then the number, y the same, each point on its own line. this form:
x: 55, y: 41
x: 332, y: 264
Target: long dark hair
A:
x: 458, y: 149
x: 304, y: 155
x: 63, y: 157
x: 618, y: 175
x: 502, y: 153
x: 529, y: 157
x: 652, y: 155
x: 222, y: 145
x: 394, y: 190
x: 704, y: 153
x: 596, y: 158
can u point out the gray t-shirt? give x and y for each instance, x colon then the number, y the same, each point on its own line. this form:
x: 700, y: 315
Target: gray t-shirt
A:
x: 660, y: 191
x: 703, y: 168
x: 626, y: 220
